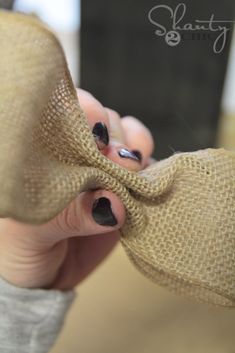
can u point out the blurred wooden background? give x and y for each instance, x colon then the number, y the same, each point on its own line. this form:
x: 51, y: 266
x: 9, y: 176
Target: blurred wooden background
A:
x: 118, y: 310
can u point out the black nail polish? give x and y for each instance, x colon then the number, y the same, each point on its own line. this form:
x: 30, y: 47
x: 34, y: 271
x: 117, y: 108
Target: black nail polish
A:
x: 138, y: 154
x: 101, y: 135
x: 102, y: 212
x: 124, y: 153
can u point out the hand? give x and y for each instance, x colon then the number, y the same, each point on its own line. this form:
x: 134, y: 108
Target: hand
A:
x: 60, y: 253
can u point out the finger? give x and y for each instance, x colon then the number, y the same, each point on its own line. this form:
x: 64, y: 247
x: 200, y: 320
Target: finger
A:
x: 96, y: 116
x: 138, y: 136
x: 108, y: 133
x: 93, y: 109
x: 116, y: 128
x: 92, y: 212
x: 83, y: 256
x: 105, y: 125
x: 119, y: 151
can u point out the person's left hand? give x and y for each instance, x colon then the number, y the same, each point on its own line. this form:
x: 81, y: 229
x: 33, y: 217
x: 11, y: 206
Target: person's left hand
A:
x: 63, y: 251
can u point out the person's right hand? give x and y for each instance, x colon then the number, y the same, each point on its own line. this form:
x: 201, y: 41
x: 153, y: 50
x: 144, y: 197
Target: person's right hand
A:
x: 60, y: 253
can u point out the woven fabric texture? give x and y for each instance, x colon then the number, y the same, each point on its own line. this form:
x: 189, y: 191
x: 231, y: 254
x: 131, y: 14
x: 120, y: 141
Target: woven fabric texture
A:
x: 180, y: 226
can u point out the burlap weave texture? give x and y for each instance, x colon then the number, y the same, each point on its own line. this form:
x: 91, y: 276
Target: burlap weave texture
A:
x: 180, y: 227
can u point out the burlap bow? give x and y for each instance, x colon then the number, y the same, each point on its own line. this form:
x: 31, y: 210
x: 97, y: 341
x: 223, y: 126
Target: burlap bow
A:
x: 180, y: 227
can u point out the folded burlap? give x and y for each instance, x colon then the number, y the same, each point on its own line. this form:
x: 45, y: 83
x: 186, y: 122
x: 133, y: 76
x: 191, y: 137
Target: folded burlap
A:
x: 180, y: 227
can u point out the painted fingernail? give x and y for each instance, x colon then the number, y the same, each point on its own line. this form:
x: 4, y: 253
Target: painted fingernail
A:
x: 102, y: 212
x: 101, y: 135
x: 134, y: 155
x: 138, y: 154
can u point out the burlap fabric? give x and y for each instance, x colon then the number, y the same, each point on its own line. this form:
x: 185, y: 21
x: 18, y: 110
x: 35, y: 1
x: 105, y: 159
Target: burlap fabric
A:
x: 180, y: 227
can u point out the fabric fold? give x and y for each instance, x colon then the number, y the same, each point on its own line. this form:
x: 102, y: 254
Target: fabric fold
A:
x: 180, y: 226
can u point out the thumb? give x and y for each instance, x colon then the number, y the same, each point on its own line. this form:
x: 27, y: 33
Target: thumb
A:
x: 91, y: 212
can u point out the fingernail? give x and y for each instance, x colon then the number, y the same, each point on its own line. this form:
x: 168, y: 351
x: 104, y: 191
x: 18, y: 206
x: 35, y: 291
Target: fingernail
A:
x: 101, y: 135
x: 102, y: 212
x: 138, y: 154
x: 134, y: 155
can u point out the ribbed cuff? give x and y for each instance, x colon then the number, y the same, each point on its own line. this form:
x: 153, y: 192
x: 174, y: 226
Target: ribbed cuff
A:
x: 31, y: 319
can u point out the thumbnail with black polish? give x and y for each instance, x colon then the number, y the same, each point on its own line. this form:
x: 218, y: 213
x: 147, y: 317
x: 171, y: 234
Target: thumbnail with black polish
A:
x: 102, y: 212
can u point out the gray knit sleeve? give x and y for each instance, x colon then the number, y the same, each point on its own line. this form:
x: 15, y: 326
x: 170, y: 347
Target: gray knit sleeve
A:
x: 31, y: 319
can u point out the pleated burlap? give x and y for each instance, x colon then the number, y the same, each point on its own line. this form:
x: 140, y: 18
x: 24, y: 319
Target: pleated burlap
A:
x: 180, y: 227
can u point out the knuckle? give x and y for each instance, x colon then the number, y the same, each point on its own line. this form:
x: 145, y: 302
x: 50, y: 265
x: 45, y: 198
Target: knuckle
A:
x: 68, y: 220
